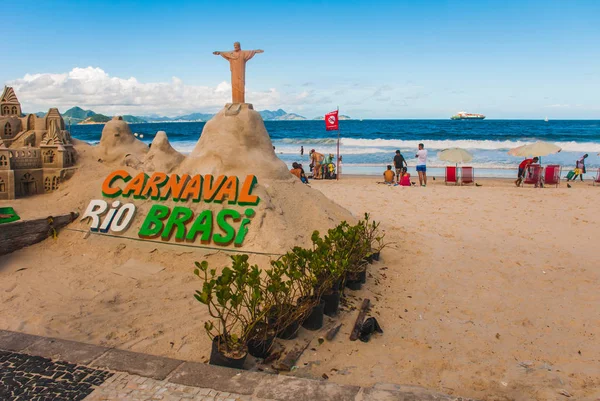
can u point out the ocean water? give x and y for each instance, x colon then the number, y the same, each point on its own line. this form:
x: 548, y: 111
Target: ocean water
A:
x: 368, y: 146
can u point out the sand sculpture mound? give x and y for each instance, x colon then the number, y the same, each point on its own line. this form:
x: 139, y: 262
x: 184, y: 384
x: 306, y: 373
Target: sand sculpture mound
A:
x: 162, y: 157
x: 236, y: 142
x: 118, y: 141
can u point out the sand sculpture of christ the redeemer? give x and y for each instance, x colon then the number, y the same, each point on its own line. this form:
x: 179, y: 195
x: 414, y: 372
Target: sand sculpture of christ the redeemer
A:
x: 237, y: 61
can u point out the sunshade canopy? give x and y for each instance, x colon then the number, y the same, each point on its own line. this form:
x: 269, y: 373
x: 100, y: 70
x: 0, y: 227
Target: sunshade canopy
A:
x: 539, y: 148
x: 455, y: 155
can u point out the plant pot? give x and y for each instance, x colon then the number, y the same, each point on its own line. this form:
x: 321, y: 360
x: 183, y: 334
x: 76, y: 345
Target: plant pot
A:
x: 261, y: 340
x: 218, y: 358
x: 290, y: 331
x: 353, y: 283
x: 362, y: 276
x: 261, y: 347
x: 332, y: 303
x: 314, y: 321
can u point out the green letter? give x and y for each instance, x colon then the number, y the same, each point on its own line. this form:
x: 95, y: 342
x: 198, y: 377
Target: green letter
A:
x: 203, y: 224
x: 179, y: 217
x: 225, y: 226
x: 153, y: 225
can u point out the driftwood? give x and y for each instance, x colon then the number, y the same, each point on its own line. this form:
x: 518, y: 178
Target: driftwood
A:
x: 19, y: 234
x: 332, y: 332
x: 364, y: 308
x: 291, y: 357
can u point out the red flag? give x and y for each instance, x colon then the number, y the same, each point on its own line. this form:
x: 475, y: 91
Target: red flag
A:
x: 331, y: 121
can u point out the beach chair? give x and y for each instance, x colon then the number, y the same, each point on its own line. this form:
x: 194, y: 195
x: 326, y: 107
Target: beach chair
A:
x: 451, y: 177
x: 552, y: 174
x: 533, y: 175
x: 597, y: 179
x: 467, y: 176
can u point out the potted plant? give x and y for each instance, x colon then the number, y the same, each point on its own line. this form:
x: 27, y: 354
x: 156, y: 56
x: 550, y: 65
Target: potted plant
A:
x: 374, y: 238
x: 287, y: 283
x: 235, y: 302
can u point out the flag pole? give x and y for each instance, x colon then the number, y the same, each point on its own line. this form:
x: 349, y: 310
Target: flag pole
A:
x: 337, y: 168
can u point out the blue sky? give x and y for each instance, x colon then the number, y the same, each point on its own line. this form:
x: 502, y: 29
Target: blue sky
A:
x: 430, y: 59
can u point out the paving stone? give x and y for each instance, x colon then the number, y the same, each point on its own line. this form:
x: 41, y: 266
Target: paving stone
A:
x: 140, y: 364
x: 30, y: 377
x: 13, y: 341
x: 216, y: 377
x: 287, y: 388
x: 65, y: 350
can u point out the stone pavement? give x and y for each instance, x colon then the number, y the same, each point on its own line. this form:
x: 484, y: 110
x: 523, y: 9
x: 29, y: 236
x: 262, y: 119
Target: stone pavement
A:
x: 26, y: 377
x: 123, y: 386
x: 31, y: 368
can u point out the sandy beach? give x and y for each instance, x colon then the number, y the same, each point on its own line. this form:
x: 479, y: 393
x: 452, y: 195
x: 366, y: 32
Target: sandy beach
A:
x: 487, y: 292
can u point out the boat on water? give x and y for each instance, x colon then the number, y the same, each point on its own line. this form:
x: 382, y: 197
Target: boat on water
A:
x: 546, y: 119
x: 461, y: 115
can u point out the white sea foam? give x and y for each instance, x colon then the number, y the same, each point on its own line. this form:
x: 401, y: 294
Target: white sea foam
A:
x: 465, y: 144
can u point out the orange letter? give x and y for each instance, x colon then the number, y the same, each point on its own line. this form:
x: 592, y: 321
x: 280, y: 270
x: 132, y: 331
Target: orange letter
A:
x: 211, y: 190
x: 175, y: 185
x: 229, y: 189
x: 136, y: 186
x: 112, y: 177
x: 152, y: 186
x: 193, y: 187
x: 245, y: 197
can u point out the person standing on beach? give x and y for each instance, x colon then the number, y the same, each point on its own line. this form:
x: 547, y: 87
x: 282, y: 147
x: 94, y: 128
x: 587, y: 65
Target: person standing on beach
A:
x: 580, y: 167
x: 523, y: 168
x: 421, y: 157
x: 399, y: 164
x: 301, y: 150
x: 317, y: 159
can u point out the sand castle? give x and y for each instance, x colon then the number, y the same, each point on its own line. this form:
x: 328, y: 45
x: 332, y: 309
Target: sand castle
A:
x: 36, y: 153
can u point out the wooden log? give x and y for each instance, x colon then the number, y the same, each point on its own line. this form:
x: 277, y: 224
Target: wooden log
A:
x: 364, y: 308
x: 332, y: 333
x: 17, y: 235
x: 291, y: 357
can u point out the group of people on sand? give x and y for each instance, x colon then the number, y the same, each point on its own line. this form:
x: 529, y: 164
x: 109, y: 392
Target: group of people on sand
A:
x: 578, y: 171
x: 401, y: 176
x: 322, y: 166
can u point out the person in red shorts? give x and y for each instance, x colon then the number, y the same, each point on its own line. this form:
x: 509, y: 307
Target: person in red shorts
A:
x: 523, y: 168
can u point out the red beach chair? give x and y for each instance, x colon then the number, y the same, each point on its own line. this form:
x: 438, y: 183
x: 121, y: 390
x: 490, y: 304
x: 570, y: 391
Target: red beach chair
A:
x: 451, y: 177
x: 533, y: 175
x: 467, y: 176
x: 552, y: 174
x: 597, y: 179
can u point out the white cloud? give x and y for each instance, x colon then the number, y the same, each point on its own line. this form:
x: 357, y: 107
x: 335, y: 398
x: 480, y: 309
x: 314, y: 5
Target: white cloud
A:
x: 95, y: 89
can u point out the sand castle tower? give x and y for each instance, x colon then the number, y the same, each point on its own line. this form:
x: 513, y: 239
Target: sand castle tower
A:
x: 117, y: 141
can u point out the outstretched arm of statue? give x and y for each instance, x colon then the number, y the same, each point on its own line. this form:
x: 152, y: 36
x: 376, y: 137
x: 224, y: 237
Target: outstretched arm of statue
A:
x: 259, y: 51
x: 225, y: 55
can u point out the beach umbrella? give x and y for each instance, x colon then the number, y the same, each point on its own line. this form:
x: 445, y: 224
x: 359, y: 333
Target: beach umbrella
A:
x: 539, y: 148
x: 455, y: 155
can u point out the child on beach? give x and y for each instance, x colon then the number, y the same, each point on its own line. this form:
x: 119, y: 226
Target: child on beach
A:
x: 389, y: 175
x: 405, y: 178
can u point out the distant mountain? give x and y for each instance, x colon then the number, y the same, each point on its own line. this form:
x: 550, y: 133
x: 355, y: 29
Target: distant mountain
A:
x: 279, y: 115
x: 77, y: 114
x: 133, y: 119
x: 341, y: 117
x: 96, y: 119
x: 194, y: 117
